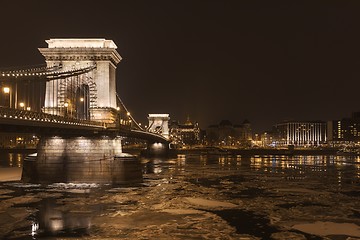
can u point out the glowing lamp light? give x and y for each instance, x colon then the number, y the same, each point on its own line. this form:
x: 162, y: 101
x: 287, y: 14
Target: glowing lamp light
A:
x: 128, y: 113
x: 81, y: 99
x: 66, y: 104
x: 118, y: 108
x: 22, y: 104
x: 6, y: 90
x: 28, y: 108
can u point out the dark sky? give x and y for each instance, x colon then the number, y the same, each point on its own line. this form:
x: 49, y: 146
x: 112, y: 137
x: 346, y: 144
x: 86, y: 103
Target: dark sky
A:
x: 265, y: 61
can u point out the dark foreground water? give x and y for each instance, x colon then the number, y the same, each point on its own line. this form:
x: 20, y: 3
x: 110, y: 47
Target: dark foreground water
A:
x: 194, y: 197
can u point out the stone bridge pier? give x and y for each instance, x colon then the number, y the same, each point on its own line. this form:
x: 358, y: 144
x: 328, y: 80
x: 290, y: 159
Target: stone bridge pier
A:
x: 95, y: 159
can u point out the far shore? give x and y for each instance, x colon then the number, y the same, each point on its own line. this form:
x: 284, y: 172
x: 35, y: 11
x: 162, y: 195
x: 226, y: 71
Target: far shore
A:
x: 18, y: 150
x: 258, y: 151
x: 216, y: 150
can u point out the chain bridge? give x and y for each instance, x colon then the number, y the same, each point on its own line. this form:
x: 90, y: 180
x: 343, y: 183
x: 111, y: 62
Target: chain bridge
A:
x: 72, y: 104
x: 74, y: 92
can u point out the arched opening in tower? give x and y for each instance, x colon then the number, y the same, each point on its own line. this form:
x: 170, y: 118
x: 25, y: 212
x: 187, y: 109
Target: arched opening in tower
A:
x: 83, y: 102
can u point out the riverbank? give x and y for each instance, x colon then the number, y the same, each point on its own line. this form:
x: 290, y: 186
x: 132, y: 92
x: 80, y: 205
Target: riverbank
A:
x: 18, y: 150
x: 216, y: 151
x: 257, y: 151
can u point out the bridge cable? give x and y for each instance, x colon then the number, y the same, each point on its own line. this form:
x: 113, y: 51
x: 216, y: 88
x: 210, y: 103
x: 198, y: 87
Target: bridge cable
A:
x: 131, y: 117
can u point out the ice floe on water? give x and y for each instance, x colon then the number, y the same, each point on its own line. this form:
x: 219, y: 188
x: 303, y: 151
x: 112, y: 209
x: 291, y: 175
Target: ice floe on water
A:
x: 196, y: 199
x: 200, y: 202
x: 10, y: 174
x: 73, y: 185
x: 329, y: 228
x: 182, y: 211
x: 22, y: 185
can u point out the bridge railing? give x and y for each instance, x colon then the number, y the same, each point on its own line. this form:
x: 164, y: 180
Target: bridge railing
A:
x: 18, y: 114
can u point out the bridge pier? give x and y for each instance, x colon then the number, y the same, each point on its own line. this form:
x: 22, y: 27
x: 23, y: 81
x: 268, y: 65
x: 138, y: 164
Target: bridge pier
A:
x: 157, y: 149
x: 82, y: 160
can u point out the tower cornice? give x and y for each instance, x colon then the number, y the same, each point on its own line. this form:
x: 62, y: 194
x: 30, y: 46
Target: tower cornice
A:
x: 81, y: 54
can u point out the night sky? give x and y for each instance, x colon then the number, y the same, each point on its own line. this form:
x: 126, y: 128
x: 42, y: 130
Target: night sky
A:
x: 265, y: 61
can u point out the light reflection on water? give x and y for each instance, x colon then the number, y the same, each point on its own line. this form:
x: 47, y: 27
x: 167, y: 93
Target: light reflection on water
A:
x: 295, y: 167
x: 52, y: 220
x: 11, y: 159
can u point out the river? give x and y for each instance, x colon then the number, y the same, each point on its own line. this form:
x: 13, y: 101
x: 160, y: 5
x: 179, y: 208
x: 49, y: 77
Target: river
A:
x: 194, y: 197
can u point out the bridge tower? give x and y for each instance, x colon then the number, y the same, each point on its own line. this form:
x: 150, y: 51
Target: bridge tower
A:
x: 159, y: 123
x: 90, y: 96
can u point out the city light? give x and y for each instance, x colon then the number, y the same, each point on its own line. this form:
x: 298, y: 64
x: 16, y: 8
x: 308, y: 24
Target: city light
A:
x: 22, y: 105
x: 6, y: 90
x: 81, y: 99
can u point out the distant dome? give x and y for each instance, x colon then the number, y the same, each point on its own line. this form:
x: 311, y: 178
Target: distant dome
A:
x: 225, y: 123
x: 188, y: 122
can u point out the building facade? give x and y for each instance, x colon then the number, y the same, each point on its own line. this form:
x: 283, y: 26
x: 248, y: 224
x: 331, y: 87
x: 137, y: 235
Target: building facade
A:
x: 300, y: 133
x: 227, y: 134
x: 185, y: 134
x: 18, y: 140
x: 345, y: 130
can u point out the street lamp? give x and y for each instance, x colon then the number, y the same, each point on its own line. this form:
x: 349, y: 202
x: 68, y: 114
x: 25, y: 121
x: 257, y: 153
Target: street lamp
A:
x: 82, y: 100
x: 22, y: 105
x: 66, y: 108
x: 6, y: 90
x: 28, y: 108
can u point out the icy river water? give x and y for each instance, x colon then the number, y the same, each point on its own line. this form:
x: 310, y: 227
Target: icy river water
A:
x: 194, y: 197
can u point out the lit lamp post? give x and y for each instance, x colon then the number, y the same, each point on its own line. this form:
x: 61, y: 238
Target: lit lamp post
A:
x: 83, y: 106
x: 22, y: 105
x: 128, y: 114
x: 66, y: 108
x: 6, y: 90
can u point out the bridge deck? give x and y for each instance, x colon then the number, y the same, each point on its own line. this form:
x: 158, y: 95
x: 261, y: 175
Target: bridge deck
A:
x: 15, y: 120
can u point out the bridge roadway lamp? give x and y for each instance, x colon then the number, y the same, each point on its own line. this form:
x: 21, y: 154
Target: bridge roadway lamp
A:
x: 7, y: 90
x: 66, y: 105
x: 22, y: 105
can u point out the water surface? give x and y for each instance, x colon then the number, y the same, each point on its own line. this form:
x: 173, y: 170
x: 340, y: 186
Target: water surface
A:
x: 194, y: 197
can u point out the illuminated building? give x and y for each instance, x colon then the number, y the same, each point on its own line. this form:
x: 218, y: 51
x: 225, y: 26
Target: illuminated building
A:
x: 345, y: 130
x: 267, y: 139
x: 300, y: 133
x: 225, y: 133
x: 16, y: 140
x: 185, y: 134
